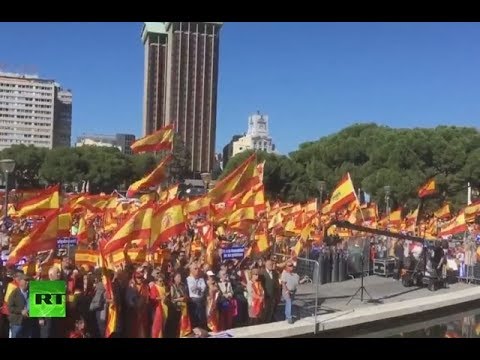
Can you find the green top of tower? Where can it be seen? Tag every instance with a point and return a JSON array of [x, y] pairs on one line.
[[153, 27]]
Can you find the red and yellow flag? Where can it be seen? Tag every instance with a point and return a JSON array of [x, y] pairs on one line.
[[168, 220], [455, 226], [154, 178], [136, 227], [471, 211], [197, 206], [169, 194], [44, 202], [43, 237], [112, 314], [241, 216], [443, 212], [343, 194], [86, 257], [160, 140], [239, 179], [427, 189]]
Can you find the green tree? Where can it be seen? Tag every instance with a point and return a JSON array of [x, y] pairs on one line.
[[28, 160]]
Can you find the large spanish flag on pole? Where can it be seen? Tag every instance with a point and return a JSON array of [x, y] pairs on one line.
[[343, 194], [455, 226], [160, 140], [43, 237], [168, 220], [44, 202], [427, 189], [137, 226], [236, 182], [154, 178]]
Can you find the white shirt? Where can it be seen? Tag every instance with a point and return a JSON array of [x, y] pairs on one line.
[[196, 287]]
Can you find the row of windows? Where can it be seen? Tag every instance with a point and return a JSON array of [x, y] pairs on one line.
[[20, 86], [13, 135], [16, 141]]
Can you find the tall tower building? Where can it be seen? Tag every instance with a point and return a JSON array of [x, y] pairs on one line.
[[181, 74]]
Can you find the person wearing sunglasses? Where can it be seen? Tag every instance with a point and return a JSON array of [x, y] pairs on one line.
[[290, 281]]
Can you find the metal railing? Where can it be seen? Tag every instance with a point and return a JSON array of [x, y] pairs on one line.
[[309, 272]]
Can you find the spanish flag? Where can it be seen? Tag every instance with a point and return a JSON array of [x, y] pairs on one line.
[[64, 223], [197, 206], [427, 189], [443, 212], [471, 211], [43, 237], [395, 217], [276, 220], [261, 242], [82, 234], [455, 226], [259, 170], [235, 182], [86, 257], [241, 217], [136, 226], [44, 202], [168, 220], [154, 178], [112, 314], [343, 194], [93, 203], [160, 140], [169, 194]]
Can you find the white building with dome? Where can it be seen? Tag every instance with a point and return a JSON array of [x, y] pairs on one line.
[[257, 137]]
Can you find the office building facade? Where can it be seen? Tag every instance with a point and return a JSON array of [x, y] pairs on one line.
[[180, 85], [34, 111]]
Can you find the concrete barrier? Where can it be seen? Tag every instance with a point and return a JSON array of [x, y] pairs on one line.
[[358, 316]]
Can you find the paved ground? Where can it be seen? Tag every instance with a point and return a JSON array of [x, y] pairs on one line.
[[334, 296]]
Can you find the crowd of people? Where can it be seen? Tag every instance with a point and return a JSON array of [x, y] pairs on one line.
[[184, 296]]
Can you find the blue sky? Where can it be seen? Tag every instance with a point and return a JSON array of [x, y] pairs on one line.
[[312, 79]]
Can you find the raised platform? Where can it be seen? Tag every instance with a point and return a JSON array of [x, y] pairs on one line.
[[391, 300]]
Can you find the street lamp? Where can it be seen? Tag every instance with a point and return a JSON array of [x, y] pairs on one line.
[[206, 178], [321, 188], [6, 166], [387, 198]]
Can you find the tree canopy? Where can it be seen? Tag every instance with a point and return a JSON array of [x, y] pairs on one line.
[[377, 156], [105, 168]]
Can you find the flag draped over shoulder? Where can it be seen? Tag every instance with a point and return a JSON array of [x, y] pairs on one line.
[[160, 140], [47, 200], [429, 188], [43, 237], [152, 179]]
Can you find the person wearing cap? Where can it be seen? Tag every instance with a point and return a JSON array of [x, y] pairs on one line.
[[21, 326], [290, 281]]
